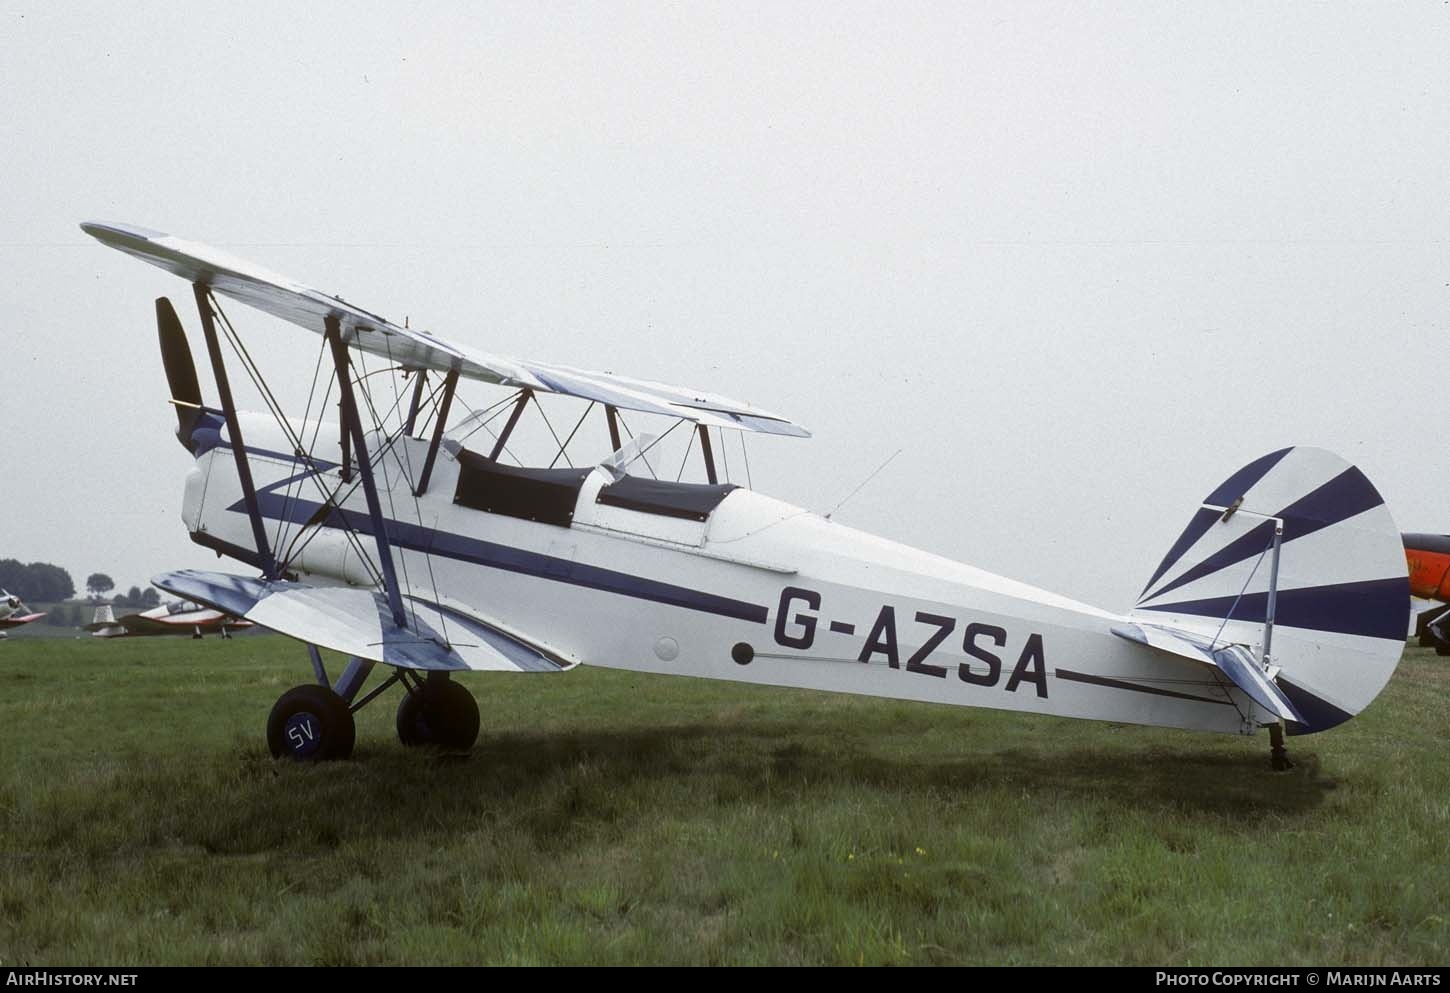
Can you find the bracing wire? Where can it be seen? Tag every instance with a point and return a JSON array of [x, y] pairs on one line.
[[497, 408], [379, 462], [620, 416], [577, 425], [254, 373], [688, 446], [540, 408], [652, 445], [288, 497], [1213, 644]]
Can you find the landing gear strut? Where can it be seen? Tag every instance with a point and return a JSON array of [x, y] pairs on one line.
[[1278, 754]]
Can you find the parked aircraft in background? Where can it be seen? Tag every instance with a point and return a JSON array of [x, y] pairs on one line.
[[177, 617], [1428, 556], [13, 613]]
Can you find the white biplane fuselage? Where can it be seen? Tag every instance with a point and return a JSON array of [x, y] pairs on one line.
[[820, 605]]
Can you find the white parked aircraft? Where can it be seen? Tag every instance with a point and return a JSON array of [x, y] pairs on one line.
[[13, 613], [1283, 604], [177, 617]]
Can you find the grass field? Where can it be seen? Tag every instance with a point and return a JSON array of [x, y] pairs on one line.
[[606, 817]]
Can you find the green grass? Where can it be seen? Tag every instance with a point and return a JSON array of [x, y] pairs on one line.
[[607, 817]]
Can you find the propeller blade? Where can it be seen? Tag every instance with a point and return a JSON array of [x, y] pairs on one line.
[[180, 369]]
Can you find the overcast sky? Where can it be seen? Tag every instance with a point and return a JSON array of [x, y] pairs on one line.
[[1079, 262]]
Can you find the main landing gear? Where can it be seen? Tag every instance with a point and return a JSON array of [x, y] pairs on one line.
[[442, 713], [314, 722]]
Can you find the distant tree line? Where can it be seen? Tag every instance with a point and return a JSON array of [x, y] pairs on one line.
[[38, 582], [43, 583], [136, 597]]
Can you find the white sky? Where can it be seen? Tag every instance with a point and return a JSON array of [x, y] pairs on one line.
[[1079, 261]]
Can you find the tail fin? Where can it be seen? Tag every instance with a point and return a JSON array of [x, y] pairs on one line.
[[1341, 594], [103, 623]]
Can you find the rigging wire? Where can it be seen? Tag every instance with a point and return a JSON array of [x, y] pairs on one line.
[[688, 445], [1213, 644], [497, 408], [648, 448], [577, 425], [254, 373], [277, 541], [539, 407], [620, 415], [344, 497], [377, 461]]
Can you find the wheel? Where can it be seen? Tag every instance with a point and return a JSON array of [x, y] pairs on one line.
[[311, 723], [442, 713]]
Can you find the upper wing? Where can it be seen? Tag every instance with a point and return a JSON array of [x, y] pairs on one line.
[[309, 308]]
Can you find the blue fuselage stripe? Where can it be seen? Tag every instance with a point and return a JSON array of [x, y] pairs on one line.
[[431, 541]]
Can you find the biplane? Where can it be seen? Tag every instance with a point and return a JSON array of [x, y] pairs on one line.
[[11, 615], [179, 617], [409, 540]]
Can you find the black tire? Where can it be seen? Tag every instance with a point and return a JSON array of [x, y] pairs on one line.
[[310, 723], [442, 713]]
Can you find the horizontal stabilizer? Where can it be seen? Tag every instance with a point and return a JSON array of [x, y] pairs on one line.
[[358, 622], [1234, 661]]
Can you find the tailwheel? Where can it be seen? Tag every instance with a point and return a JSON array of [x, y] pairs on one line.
[[440, 712], [310, 724]]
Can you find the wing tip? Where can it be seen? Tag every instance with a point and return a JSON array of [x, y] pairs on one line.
[[115, 232]]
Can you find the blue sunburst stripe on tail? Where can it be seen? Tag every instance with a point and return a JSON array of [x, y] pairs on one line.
[[1242, 481], [1376, 608], [1347, 495], [1319, 715], [1246, 546], [1200, 523], [1228, 491]]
